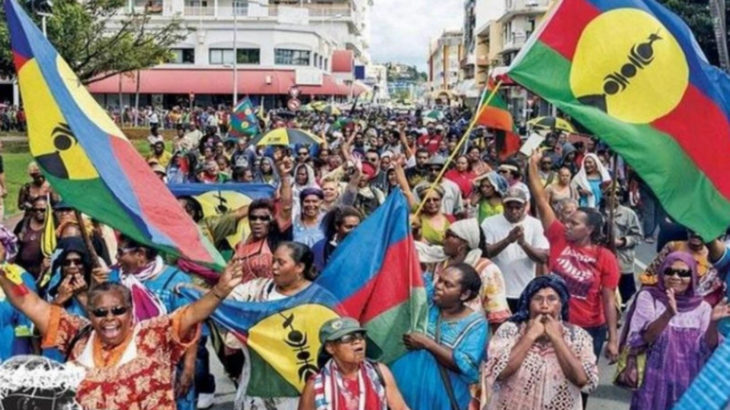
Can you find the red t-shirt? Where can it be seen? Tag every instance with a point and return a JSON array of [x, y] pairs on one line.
[[431, 143], [586, 270]]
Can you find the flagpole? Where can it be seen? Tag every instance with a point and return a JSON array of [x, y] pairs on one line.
[[456, 149], [87, 239]]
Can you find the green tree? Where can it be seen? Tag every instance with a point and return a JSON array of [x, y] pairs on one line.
[[696, 13], [99, 39]]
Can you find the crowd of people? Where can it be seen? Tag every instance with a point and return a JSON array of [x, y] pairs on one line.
[[528, 262]]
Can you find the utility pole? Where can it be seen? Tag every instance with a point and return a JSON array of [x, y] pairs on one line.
[[235, 54], [717, 11]]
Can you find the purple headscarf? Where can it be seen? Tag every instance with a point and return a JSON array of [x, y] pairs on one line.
[[690, 299], [687, 301]]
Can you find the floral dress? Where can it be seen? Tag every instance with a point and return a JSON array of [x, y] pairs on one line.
[[143, 375], [539, 383]]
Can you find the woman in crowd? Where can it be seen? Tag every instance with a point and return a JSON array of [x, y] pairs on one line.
[[561, 189], [270, 224], [336, 224], [536, 360], [676, 328], [488, 197], [266, 173], [293, 273], [589, 269], [444, 361], [330, 194], [463, 243], [462, 175], [306, 225], [37, 187], [116, 352], [15, 327], [303, 178], [348, 374], [710, 286], [590, 181]]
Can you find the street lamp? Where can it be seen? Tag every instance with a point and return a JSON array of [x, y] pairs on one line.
[[235, 54], [42, 8]]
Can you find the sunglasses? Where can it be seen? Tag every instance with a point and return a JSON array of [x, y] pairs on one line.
[[303, 154], [122, 251], [351, 338], [38, 209], [115, 311], [259, 218], [73, 261], [682, 273]]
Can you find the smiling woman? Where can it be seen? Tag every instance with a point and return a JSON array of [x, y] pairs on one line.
[[127, 364]]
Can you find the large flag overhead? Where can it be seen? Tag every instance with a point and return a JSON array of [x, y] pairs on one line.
[[376, 276], [85, 156], [632, 73], [282, 337]]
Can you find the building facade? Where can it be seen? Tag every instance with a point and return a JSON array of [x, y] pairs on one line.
[[257, 48], [444, 62]]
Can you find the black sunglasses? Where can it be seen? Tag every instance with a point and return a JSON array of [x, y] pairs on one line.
[[38, 209], [115, 311], [351, 338], [73, 261], [682, 273], [259, 218]]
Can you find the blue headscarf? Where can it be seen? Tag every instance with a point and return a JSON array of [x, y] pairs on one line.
[[552, 281]]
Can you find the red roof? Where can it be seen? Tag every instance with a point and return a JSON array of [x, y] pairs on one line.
[[214, 81], [342, 61]]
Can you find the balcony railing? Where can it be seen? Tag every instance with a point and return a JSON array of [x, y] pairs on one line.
[[314, 11], [526, 5]]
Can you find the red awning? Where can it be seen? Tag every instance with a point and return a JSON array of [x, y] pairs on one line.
[[213, 81]]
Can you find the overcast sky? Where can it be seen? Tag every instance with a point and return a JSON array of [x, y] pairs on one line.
[[401, 29]]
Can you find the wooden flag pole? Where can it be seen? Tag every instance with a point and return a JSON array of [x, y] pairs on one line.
[[473, 121], [87, 239]]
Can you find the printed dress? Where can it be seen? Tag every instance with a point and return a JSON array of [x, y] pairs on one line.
[[539, 383], [143, 378]]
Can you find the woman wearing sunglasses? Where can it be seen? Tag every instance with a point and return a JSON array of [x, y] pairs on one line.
[[69, 283], [127, 364], [347, 380], [676, 328]]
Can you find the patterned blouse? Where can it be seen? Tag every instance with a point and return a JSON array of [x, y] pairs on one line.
[[539, 383], [144, 375]]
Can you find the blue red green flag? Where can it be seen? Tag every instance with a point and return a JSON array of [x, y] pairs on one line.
[[85, 156], [376, 276], [282, 337], [633, 74], [244, 120]]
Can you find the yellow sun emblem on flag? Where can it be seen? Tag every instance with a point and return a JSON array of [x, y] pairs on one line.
[[629, 65]]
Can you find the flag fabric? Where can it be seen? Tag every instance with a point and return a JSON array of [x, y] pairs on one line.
[[48, 236], [244, 120], [87, 159], [219, 199], [282, 337], [632, 73], [376, 276], [496, 115]]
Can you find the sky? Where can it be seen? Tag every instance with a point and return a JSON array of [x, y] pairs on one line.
[[401, 29]]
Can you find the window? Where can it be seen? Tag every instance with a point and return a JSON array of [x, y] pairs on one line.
[[291, 57], [314, 60], [248, 56], [240, 7], [182, 56], [221, 55], [225, 56]]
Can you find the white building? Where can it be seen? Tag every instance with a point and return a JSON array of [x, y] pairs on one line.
[[444, 64], [321, 47], [376, 76]]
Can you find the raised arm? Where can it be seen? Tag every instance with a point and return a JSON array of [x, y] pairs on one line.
[[546, 213], [37, 309], [286, 194], [400, 176], [199, 310]]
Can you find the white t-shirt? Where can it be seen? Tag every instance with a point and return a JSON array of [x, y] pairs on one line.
[[517, 268]]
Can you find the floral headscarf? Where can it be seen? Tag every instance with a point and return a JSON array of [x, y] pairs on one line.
[[9, 241]]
